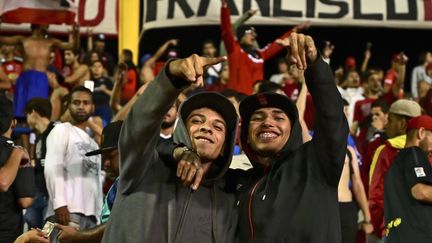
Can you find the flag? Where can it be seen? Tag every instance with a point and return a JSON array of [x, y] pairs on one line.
[[38, 11]]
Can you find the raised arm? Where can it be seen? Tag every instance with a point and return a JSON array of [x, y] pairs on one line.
[[140, 131], [274, 48], [72, 43], [11, 40], [227, 33], [331, 127]]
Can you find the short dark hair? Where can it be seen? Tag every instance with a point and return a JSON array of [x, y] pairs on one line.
[[127, 54], [381, 104], [75, 51], [79, 89], [209, 41], [268, 86], [233, 93], [41, 105]]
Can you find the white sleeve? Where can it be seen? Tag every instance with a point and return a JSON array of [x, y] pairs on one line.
[[54, 165]]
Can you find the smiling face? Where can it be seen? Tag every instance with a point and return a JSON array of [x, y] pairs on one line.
[[207, 130], [269, 131]]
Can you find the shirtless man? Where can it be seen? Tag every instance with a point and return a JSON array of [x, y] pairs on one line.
[[36, 60]]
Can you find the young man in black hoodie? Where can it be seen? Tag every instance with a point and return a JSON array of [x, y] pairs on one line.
[[290, 194], [152, 205]]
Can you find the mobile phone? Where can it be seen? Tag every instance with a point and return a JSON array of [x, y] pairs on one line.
[[89, 84], [48, 228]]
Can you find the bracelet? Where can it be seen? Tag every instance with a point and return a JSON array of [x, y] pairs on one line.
[[366, 222]]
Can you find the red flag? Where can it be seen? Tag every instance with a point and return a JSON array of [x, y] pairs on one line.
[[38, 11]]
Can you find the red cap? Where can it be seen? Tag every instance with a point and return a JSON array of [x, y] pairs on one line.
[[424, 121], [350, 62]]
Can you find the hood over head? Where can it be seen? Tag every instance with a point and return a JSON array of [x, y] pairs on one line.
[[225, 108], [269, 99]]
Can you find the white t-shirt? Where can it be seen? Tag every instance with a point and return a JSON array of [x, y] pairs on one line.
[[72, 179], [418, 74]]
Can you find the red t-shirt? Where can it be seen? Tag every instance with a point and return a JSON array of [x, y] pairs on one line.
[[292, 91]]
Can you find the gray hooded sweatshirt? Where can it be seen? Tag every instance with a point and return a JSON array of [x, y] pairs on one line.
[[151, 204]]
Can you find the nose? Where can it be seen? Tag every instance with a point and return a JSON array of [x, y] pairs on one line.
[[267, 122], [205, 128]]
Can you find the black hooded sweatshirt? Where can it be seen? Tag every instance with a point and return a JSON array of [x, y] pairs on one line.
[[295, 199]]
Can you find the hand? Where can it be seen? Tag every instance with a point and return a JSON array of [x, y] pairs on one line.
[[192, 68], [173, 42], [301, 50], [252, 12], [328, 50], [33, 235], [367, 228], [66, 233], [402, 59], [189, 167], [62, 215]]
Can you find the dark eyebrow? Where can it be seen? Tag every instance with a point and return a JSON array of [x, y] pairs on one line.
[[221, 121]]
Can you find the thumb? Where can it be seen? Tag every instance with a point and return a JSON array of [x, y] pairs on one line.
[[209, 61]]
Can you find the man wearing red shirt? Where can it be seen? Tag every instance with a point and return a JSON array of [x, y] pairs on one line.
[[246, 63]]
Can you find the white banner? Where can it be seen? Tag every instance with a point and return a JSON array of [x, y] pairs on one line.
[[100, 15], [365, 13]]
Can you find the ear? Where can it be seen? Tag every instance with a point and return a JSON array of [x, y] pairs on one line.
[[13, 124], [421, 133]]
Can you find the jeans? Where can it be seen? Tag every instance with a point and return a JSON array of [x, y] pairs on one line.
[[35, 214]]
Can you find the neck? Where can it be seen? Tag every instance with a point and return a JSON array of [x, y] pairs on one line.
[[412, 143], [371, 95], [167, 131], [8, 133], [265, 161], [81, 125], [75, 65], [42, 124]]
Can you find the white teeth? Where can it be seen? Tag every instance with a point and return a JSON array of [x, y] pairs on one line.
[[267, 135], [204, 140]]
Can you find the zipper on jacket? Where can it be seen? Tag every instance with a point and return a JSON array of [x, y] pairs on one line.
[[182, 217], [251, 227]]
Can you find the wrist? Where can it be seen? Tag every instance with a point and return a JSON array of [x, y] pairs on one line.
[[366, 221]]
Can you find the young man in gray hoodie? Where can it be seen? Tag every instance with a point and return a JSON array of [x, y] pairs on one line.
[[152, 203]]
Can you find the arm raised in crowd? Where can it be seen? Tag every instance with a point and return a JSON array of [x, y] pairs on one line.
[[331, 127], [140, 131]]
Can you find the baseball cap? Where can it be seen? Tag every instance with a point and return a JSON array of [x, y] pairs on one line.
[[214, 101], [350, 62], [245, 30], [110, 138], [405, 107], [267, 99], [420, 121]]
